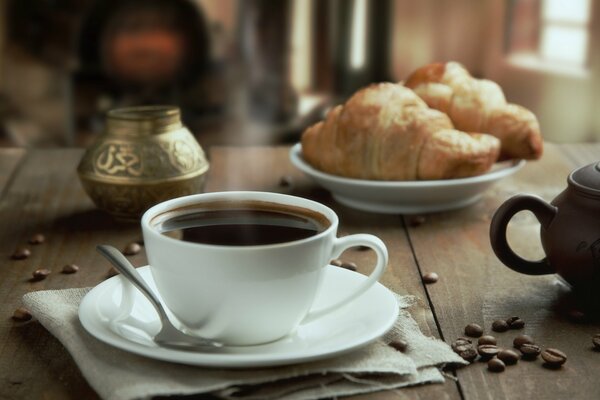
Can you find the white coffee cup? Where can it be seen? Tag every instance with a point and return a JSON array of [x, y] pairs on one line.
[[247, 294]]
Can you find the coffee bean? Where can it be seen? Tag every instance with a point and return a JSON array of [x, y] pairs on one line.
[[70, 269], [530, 351], [132, 249], [349, 265], [596, 341], [21, 314], [416, 220], [285, 181], [487, 339], [499, 326], [521, 340], [473, 330], [40, 274], [399, 345], [38, 238], [468, 354], [554, 358], [430, 277], [496, 365], [487, 351], [461, 344], [509, 357], [460, 347], [463, 339], [21, 253], [515, 323], [363, 248], [336, 262]]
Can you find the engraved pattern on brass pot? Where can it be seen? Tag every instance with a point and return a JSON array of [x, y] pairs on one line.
[[145, 156]]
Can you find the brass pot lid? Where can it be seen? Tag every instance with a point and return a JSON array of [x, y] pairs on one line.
[[143, 120]]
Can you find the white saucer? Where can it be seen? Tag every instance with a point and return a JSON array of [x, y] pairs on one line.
[[405, 197], [129, 322]]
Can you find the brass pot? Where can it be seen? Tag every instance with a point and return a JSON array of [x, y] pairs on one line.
[[144, 157]]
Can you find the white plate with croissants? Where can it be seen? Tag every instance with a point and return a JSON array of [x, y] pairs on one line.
[[405, 197], [435, 142]]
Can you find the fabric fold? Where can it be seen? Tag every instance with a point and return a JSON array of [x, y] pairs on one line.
[[117, 374]]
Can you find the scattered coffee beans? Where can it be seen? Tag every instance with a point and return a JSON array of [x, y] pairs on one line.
[[499, 326], [21, 314], [473, 330], [487, 339], [515, 323], [509, 357], [38, 238], [399, 345], [487, 351], [349, 265], [464, 348], [430, 277], [70, 269], [521, 340], [554, 358], [336, 262], [21, 253], [40, 274], [530, 351], [596, 341], [132, 249], [496, 365]]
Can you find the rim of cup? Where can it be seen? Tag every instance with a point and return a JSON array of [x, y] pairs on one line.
[[270, 197]]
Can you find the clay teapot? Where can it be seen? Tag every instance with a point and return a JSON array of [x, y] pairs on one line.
[[569, 232]]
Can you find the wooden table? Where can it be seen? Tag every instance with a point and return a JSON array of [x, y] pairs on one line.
[[39, 192]]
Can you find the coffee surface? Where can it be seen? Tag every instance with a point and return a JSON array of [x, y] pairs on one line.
[[240, 227]]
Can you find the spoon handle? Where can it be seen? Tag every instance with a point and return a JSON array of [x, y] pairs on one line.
[[123, 265]]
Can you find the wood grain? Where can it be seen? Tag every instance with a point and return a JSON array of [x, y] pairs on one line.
[[9, 161], [262, 168], [40, 192], [45, 196], [476, 287]]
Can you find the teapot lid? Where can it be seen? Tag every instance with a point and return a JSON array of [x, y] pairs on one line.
[[587, 179]]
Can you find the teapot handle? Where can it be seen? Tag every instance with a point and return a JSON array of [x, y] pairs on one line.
[[543, 211]]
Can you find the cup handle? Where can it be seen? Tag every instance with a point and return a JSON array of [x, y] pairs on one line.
[[543, 211], [341, 244]]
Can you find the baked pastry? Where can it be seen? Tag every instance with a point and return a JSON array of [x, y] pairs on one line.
[[478, 105], [386, 132]]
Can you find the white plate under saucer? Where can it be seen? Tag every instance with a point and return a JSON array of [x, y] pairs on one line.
[[129, 322]]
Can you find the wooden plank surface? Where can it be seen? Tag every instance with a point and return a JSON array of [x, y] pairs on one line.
[[475, 287], [263, 168], [41, 193], [45, 196], [9, 161]]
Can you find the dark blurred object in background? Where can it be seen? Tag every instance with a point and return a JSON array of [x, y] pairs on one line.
[[260, 71]]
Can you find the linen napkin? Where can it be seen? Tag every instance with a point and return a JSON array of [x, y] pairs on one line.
[[117, 374]]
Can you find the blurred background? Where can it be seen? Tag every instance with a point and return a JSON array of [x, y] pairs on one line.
[[260, 71]]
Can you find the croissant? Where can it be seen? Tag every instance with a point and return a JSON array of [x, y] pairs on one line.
[[478, 105], [386, 132]]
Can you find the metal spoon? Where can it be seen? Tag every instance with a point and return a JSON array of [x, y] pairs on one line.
[[169, 335]]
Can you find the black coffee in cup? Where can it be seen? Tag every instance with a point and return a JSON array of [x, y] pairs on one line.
[[244, 223]]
